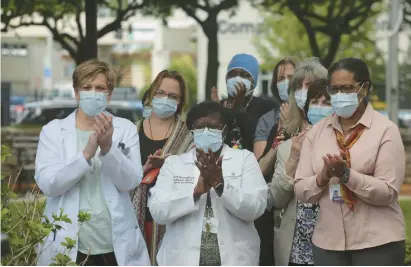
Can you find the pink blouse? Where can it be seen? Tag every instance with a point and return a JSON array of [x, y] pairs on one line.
[[377, 173]]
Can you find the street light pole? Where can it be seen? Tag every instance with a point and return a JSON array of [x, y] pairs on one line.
[[392, 78]]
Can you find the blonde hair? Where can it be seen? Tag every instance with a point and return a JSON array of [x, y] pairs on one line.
[[175, 75], [89, 69], [311, 69]]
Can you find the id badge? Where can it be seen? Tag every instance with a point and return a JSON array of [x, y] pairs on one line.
[[335, 193], [210, 225]]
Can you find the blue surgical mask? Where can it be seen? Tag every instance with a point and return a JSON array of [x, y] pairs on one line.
[[232, 82], [164, 107], [317, 113], [345, 104], [301, 97], [283, 89], [206, 139], [146, 112], [92, 103]]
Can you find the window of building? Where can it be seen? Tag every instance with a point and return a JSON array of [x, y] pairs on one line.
[[19, 50]]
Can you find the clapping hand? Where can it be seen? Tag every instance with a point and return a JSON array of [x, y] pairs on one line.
[[103, 127], [210, 167], [334, 166], [154, 161], [238, 100], [283, 114], [297, 143]]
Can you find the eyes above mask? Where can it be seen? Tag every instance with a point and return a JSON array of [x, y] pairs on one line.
[[164, 107], [316, 113], [207, 139], [232, 82], [92, 103], [283, 89]]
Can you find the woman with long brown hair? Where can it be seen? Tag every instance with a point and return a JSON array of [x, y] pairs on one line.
[[161, 134]]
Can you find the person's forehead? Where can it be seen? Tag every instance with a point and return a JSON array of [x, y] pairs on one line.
[[286, 69], [211, 118], [169, 85], [97, 79], [341, 77], [238, 71]]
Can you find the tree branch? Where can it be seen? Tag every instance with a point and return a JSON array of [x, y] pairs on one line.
[[192, 14], [79, 26], [226, 4], [122, 15]]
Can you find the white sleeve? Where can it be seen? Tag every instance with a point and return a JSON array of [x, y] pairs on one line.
[[124, 166], [166, 202], [53, 176], [250, 200]]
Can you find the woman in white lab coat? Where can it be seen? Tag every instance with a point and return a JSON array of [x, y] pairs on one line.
[[209, 197], [89, 162]]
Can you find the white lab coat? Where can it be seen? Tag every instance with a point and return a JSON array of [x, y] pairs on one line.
[[59, 167], [244, 199]]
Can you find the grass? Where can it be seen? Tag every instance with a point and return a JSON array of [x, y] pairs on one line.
[[406, 209]]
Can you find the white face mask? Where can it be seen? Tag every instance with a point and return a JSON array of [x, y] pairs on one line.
[[345, 104], [301, 97], [283, 89]]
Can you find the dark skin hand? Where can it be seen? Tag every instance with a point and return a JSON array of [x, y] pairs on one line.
[[238, 101], [210, 167], [334, 166]]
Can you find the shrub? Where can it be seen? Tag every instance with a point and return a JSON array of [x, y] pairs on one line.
[[26, 227]]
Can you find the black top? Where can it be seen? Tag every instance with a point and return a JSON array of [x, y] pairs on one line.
[[147, 147], [247, 121]]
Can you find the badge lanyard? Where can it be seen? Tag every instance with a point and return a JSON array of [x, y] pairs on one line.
[[208, 213]]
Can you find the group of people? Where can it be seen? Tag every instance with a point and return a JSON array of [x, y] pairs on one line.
[[311, 176]]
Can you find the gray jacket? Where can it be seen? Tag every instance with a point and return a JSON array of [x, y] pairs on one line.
[[281, 197]]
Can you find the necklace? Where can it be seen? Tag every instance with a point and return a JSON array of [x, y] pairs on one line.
[[151, 131]]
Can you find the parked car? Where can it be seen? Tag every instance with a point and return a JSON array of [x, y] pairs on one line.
[[404, 117], [125, 94], [42, 112]]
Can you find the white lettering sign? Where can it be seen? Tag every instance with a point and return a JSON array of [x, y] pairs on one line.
[[226, 27]]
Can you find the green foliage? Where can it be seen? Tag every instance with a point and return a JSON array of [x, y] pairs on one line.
[[186, 67], [26, 227], [283, 35]]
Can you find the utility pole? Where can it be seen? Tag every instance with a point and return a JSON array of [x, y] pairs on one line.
[[392, 78], [47, 64]]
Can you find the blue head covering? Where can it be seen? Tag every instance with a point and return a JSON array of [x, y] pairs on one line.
[[247, 63]]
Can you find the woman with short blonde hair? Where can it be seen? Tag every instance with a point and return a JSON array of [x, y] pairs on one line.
[[89, 162]]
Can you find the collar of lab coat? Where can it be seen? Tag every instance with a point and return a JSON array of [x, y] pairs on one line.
[[69, 123], [191, 157]]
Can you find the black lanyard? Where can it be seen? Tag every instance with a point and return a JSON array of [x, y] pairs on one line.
[[208, 205]]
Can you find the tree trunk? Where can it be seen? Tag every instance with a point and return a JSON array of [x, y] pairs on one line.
[[210, 28], [88, 48]]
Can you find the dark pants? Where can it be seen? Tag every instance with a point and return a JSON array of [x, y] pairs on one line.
[[108, 259], [391, 254], [265, 229]]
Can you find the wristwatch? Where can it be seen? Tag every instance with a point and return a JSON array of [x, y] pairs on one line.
[[346, 176], [219, 188]]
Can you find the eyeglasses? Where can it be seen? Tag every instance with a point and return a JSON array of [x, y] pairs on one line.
[[161, 94], [347, 88], [211, 128]]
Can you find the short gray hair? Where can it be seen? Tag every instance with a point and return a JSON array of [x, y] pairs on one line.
[[312, 69]]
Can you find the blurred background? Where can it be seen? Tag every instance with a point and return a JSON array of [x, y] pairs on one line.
[[43, 41]]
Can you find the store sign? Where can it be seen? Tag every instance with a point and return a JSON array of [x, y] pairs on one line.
[[227, 27]]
